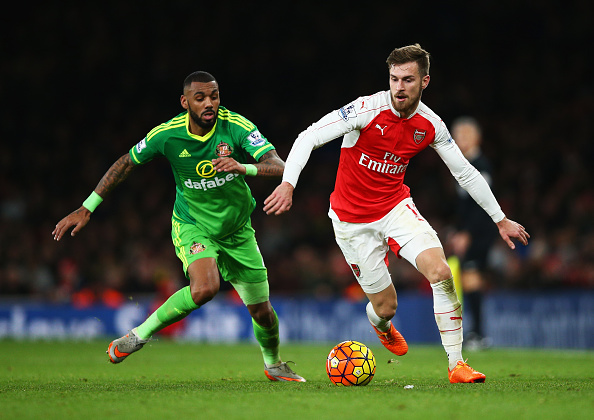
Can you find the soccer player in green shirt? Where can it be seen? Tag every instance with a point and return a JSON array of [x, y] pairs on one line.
[[207, 147]]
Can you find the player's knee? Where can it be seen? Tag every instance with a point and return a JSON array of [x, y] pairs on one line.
[[204, 292], [204, 280], [439, 273]]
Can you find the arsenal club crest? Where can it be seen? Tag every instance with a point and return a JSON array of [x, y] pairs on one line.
[[223, 149], [419, 136]]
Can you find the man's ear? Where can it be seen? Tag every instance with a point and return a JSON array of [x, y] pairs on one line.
[[184, 101], [425, 81]]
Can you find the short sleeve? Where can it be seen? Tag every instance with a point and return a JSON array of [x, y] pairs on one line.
[[144, 151], [256, 144]]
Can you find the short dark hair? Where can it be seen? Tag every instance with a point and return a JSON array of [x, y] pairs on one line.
[[200, 77], [410, 53]]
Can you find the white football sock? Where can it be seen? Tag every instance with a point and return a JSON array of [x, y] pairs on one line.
[[379, 323], [448, 315]]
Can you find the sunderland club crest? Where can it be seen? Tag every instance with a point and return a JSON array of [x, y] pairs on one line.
[[223, 149], [419, 136], [196, 248]]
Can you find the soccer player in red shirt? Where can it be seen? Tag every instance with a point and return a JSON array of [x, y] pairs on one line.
[[371, 208]]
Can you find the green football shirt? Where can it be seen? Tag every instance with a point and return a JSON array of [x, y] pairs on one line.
[[218, 203]]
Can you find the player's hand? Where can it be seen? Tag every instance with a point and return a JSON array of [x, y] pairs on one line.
[[281, 199], [509, 229], [226, 164], [78, 218]]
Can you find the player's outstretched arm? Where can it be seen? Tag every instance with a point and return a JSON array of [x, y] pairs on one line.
[[281, 199], [112, 178], [508, 229]]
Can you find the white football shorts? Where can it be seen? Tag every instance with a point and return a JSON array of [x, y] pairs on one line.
[[365, 246]]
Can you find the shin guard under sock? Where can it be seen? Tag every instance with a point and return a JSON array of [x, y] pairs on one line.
[[269, 341], [448, 316]]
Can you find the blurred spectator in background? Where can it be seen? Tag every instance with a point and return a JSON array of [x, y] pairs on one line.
[[474, 234]]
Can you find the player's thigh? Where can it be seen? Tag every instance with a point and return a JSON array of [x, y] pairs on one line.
[[204, 278], [241, 263], [191, 245], [365, 251], [410, 232]]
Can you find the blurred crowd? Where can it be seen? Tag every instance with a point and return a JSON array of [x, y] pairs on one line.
[[82, 86]]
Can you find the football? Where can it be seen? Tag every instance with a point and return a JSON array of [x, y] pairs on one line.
[[350, 363]]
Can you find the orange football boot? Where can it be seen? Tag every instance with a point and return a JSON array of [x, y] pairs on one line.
[[392, 340], [464, 374]]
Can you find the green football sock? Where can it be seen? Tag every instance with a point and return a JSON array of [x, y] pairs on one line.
[[177, 307], [269, 341]]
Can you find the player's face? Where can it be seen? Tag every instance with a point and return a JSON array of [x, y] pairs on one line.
[[406, 87], [202, 102]]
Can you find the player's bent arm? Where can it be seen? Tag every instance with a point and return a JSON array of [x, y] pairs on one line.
[[270, 164], [80, 217], [306, 142], [329, 127]]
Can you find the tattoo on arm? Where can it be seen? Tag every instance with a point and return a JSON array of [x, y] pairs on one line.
[[118, 172], [270, 164]]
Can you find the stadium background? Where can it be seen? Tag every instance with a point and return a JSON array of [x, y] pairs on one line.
[[81, 83]]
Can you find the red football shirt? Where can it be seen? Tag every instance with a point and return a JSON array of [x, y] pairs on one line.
[[377, 147]]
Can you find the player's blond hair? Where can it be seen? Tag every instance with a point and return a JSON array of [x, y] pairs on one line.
[[408, 54]]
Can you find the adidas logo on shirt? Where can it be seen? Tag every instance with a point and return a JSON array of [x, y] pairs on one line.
[[185, 153]]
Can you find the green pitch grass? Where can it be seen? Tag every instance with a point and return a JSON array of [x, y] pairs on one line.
[[170, 380]]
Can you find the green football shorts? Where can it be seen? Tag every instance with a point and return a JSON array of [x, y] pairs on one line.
[[238, 258]]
